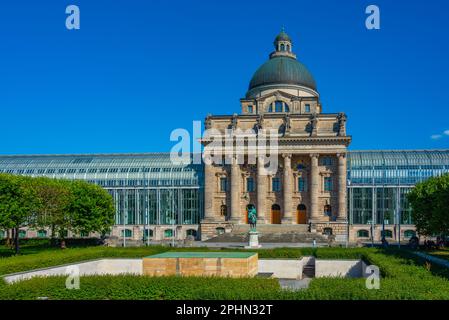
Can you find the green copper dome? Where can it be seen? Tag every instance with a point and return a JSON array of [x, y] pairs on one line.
[[282, 36], [282, 70]]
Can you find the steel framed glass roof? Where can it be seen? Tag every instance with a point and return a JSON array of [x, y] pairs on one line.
[[147, 166]]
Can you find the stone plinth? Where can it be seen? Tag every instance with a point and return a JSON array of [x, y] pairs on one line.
[[222, 264], [253, 240]]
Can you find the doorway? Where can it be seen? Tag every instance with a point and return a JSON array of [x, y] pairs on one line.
[[275, 214], [301, 214]]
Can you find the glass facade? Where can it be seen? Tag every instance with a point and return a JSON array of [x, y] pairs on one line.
[[378, 183], [148, 189]]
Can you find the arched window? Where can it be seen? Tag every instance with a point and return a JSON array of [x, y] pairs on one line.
[[363, 234], [282, 47], [220, 230], [223, 210], [128, 233], [168, 233], [278, 106], [22, 234], [288, 47], [191, 232], [327, 231], [387, 233], [42, 234], [409, 233]]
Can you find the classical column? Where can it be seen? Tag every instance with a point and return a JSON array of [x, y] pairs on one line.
[[314, 187], [287, 188], [261, 190], [342, 207], [209, 190], [235, 191]]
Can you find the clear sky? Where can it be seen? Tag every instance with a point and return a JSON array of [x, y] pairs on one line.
[[136, 70]]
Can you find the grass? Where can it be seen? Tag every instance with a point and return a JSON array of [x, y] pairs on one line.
[[403, 276]]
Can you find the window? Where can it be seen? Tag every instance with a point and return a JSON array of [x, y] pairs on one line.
[[22, 234], [250, 109], [301, 184], [409, 233], [282, 47], [278, 106], [250, 185], [191, 232], [168, 233], [223, 184], [326, 161], [128, 233], [148, 233], [387, 233], [220, 230], [84, 234], [276, 185], [327, 184], [363, 234], [2, 234], [327, 231], [41, 234], [307, 107]]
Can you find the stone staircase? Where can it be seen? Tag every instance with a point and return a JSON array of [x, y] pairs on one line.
[[277, 233]]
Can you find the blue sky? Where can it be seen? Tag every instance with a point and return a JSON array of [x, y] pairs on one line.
[[136, 70]]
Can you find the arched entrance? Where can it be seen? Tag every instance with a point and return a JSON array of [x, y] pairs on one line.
[[275, 214], [301, 214], [248, 207]]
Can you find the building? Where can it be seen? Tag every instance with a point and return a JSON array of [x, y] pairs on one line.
[[312, 145], [318, 185], [154, 197]]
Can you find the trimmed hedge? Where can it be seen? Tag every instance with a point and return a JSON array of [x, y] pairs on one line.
[[138, 287]]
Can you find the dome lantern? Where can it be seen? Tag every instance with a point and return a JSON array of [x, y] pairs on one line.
[[283, 45]]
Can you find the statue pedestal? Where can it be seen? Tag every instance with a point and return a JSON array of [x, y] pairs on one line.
[[253, 240]]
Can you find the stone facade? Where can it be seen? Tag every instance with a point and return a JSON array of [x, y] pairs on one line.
[[308, 186]]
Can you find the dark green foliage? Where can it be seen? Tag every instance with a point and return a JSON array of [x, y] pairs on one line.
[[430, 202]]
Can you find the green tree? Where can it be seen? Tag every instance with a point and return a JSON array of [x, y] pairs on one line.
[[430, 206], [55, 196], [18, 203], [91, 208]]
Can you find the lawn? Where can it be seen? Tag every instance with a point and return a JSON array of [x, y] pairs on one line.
[[404, 276]]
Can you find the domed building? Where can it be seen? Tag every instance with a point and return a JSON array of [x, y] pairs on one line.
[[282, 156], [305, 191]]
